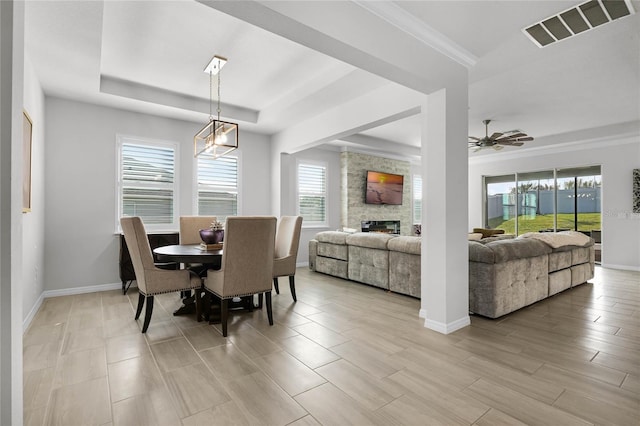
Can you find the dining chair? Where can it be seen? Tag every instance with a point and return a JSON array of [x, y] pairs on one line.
[[247, 263], [286, 252], [190, 227], [151, 279]]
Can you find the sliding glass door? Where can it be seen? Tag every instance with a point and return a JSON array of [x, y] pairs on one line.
[[500, 202], [544, 201], [579, 198], [535, 201]]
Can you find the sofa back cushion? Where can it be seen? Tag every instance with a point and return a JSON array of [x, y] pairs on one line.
[[505, 250], [411, 245], [333, 237], [375, 240]]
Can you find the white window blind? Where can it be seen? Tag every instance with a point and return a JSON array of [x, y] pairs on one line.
[[147, 184], [218, 187], [417, 199], [312, 193]]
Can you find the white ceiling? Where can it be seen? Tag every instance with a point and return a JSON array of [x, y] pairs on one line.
[[149, 56]]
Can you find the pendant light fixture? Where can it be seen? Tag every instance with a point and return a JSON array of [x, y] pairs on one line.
[[218, 137]]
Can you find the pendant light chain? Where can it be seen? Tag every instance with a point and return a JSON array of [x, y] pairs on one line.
[[219, 109], [210, 95]]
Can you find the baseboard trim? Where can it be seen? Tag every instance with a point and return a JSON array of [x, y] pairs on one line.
[[448, 328], [32, 313], [422, 313], [300, 264], [65, 292], [82, 290], [621, 267]]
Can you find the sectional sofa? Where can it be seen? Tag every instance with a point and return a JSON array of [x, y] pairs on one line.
[[505, 273], [382, 260]]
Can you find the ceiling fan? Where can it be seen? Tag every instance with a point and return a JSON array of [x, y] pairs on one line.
[[498, 140]]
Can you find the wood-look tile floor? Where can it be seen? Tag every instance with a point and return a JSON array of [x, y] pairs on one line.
[[345, 353]]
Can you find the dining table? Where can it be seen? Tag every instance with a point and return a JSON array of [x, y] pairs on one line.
[[194, 254], [187, 254]]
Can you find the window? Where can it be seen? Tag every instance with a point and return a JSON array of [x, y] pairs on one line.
[[217, 186], [312, 193], [417, 199], [147, 184], [548, 200]]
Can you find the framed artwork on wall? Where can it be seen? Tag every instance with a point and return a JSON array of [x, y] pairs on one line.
[[27, 130], [636, 190]]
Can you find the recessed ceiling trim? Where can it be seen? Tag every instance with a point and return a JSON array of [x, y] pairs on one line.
[[576, 20], [405, 21]]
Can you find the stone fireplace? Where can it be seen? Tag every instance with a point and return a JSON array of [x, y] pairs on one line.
[[354, 210]]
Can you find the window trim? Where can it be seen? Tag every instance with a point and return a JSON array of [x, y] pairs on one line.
[[416, 221], [323, 164], [122, 139], [237, 154]]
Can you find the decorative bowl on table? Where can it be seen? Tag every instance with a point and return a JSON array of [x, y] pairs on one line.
[[210, 236]]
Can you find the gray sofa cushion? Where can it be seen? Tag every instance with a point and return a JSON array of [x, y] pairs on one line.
[[333, 237], [375, 240], [334, 251], [369, 265], [559, 260], [505, 250], [497, 289], [411, 245]]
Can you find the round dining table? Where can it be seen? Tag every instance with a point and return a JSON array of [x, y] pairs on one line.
[[189, 254]]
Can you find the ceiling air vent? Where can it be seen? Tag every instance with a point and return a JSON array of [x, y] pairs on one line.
[[580, 18]]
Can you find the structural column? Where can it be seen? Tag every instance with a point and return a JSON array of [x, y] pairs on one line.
[[11, 99], [445, 253]]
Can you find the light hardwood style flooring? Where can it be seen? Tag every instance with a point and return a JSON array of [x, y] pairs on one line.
[[345, 353]]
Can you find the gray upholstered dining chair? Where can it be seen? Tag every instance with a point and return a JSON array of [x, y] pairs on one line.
[[286, 252], [190, 227], [151, 279], [247, 263]]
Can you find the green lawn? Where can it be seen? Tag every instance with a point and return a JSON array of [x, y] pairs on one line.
[[586, 222]]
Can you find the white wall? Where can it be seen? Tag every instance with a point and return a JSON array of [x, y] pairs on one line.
[[81, 248], [33, 221], [332, 159], [618, 158]]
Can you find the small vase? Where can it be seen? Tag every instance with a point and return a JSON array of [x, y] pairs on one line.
[[218, 236], [209, 236]]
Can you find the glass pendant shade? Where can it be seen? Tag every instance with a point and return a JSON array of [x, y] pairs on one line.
[[216, 139]]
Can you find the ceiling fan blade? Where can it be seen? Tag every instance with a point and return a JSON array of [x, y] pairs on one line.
[[515, 136], [474, 138], [527, 139], [517, 144], [495, 135]]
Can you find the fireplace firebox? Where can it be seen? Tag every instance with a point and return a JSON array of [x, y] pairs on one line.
[[385, 226]]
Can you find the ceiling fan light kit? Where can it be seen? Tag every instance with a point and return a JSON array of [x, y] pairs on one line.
[[498, 140]]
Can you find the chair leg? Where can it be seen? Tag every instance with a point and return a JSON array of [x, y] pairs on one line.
[[224, 315], [275, 285], [147, 314], [269, 310], [198, 304], [260, 297], [140, 304], [292, 286]]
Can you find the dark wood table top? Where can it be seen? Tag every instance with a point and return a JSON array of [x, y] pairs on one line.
[[187, 253]]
